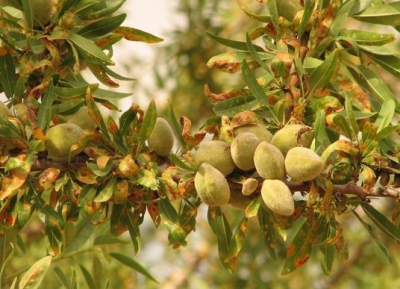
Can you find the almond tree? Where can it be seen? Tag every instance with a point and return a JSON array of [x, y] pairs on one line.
[[320, 129]]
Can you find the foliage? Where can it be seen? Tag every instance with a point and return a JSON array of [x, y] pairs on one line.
[[300, 67]]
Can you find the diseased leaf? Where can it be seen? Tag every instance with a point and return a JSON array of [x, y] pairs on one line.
[[170, 218], [267, 221], [33, 278], [299, 251], [134, 233], [133, 34], [106, 193], [220, 226], [133, 265]]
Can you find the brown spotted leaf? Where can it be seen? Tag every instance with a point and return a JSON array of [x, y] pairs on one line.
[[299, 251]]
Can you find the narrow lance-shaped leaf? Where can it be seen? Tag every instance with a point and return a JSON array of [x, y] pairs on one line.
[[233, 43], [323, 73], [254, 87], [89, 49], [385, 115], [102, 26], [374, 237], [381, 221], [386, 14], [220, 226], [267, 225], [176, 127], [88, 278], [7, 75], [133, 34], [170, 219], [133, 265], [134, 233], [237, 241], [33, 278], [299, 251], [148, 124], [253, 52], [45, 112]]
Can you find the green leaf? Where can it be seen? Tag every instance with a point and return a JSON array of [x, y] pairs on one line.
[[389, 49], [83, 231], [239, 45], [350, 115], [106, 193], [326, 257], [376, 85], [385, 115], [106, 11], [262, 18], [149, 121], [7, 256], [73, 280], [108, 240], [220, 226], [237, 241], [374, 237], [62, 277], [340, 18], [273, 11], [299, 251], [133, 34], [381, 221], [134, 233], [308, 10], [8, 76], [254, 86], [176, 127], [110, 95], [102, 26], [386, 14], [133, 265], [86, 195], [343, 124], [28, 12], [321, 138], [88, 278], [170, 218], [324, 72], [45, 112], [253, 207], [267, 224], [127, 118], [34, 276], [252, 49], [235, 105], [89, 49]]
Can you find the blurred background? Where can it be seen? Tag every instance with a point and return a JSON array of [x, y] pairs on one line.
[[175, 71]]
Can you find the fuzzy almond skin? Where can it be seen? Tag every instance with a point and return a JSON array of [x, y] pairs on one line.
[[211, 186], [277, 197], [303, 164], [59, 140], [269, 161], [218, 154], [42, 10], [82, 118], [286, 138], [258, 130], [242, 150], [249, 186], [161, 139]]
